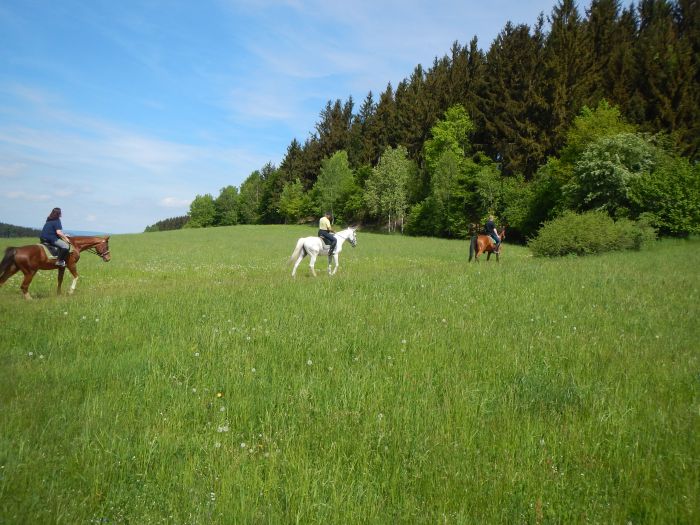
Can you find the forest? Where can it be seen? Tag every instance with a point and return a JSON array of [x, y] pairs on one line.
[[10, 230], [584, 110]]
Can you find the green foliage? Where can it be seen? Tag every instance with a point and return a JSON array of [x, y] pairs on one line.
[[335, 181], [591, 125], [9, 230], [546, 195], [589, 233], [227, 206], [250, 198], [514, 99], [605, 171], [669, 196], [294, 203], [386, 188], [202, 212], [423, 218], [450, 134]]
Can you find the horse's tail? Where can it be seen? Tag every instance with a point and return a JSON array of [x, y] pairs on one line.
[[8, 260], [472, 247], [297, 250]]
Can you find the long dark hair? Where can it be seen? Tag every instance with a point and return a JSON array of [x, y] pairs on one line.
[[55, 214]]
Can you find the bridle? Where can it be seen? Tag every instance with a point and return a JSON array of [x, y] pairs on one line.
[[352, 239], [93, 249]]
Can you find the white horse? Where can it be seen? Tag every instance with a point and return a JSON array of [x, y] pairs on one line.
[[314, 246]]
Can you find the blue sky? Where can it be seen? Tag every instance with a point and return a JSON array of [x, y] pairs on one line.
[[121, 112]]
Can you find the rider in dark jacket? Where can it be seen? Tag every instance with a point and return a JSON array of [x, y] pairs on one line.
[[52, 234], [491, 231]]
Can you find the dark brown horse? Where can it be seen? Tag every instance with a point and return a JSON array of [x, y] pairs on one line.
[[481, 243], [32, 258]]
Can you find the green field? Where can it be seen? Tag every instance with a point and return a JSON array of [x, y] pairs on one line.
[[191, 380]]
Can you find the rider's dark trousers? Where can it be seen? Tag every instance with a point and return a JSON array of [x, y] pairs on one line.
[[330, 238]]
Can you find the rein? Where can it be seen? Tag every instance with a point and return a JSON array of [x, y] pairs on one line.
[[345, 238], [92, 249]]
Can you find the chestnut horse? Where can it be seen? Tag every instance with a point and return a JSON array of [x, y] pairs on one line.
[[481, 243], [32, 258]]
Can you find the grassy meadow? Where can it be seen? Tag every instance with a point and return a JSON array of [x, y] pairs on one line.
[[190, 380]]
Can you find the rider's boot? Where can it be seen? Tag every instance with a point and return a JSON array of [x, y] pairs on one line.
[[62, 255]]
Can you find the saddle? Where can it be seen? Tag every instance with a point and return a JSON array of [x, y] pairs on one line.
[[325, 243], [51, 250]]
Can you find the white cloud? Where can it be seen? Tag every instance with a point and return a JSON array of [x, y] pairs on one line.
[[173, 202], [25, 196], [12, 169]]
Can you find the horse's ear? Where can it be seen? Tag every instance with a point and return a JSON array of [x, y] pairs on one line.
[[107, 238]]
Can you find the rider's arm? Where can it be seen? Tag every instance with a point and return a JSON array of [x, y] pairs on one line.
[[62, 235]]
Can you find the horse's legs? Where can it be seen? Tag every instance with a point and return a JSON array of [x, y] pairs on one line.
[[294, 270], [74, 272], [312, 262], [28, 276], [335, 258], [61, 271], [9, 272], [330, 261]]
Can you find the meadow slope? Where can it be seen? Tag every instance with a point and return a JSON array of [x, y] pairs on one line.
[[191, 380]]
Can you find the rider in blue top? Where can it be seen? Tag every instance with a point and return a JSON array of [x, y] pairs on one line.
[[52, 233]]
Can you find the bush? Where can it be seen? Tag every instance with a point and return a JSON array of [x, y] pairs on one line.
[[589, 233]]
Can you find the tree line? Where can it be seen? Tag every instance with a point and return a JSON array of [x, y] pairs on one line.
[[593, 110], [10, 230]]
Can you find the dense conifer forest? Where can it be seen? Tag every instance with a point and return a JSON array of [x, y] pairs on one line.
[[584, 110], [10, 230]]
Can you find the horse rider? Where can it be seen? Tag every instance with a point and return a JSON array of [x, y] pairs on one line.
[[325, 231], [491, 232], [52, 234]]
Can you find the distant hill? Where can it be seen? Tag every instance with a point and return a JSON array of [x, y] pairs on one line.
[[10, 230]]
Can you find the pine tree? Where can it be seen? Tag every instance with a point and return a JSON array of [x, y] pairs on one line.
[[334, 127], [515, 105], [569, 70], [361, 150], [669, 79], [382, 126]]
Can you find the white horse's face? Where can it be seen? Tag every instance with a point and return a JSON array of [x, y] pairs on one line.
[[353, 237]]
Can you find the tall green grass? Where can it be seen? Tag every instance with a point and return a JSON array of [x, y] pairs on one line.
[[191, 380]]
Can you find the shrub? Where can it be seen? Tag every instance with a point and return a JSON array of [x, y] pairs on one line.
[[589, 233]]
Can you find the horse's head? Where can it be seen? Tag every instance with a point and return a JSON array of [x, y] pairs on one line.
[[353, 236], [502, 233], [102, 249]]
